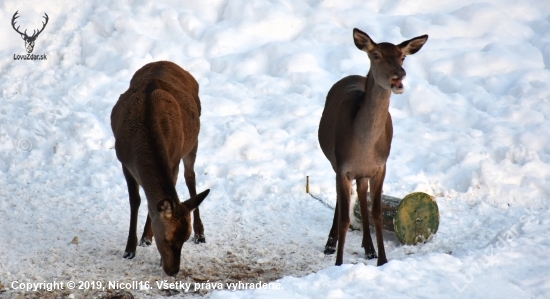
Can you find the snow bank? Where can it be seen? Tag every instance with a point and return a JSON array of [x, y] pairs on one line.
[[469, 129]]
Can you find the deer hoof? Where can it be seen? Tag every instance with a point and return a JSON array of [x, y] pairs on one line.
[[381, 262], [371, 256], [145, 242], [330, 247], [330, 250], [199, 238], [129, 255]]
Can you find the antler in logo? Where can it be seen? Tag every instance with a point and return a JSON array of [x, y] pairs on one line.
[[29, 40]]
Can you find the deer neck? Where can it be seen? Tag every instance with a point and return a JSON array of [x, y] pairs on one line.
[[158, 187], [373, 112]]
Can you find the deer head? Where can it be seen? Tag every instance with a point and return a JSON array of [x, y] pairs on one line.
[[29, 40], [172, 227], [387, 59]]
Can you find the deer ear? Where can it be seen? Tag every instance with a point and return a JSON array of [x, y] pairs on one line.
[[413, 45], [193, 202], [362, 40], [165, 208]]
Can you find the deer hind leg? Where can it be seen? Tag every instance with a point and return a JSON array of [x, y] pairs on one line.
[[330, 247], [343, 190], [362, 188], [147, 237], [376, 197], [189, 174], [135, 201]]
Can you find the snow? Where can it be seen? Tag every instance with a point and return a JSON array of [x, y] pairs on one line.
[[471, 129]]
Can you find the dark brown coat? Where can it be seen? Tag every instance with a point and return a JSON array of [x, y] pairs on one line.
[[156, 123]]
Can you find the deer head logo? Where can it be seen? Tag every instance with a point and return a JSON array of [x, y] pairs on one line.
[[29, 40]]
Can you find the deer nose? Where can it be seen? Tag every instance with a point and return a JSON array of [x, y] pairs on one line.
[[399, 72]]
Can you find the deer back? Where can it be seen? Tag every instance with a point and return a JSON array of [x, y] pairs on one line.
[[174, 117]]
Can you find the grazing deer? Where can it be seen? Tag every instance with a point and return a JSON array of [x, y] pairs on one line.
[[155, 124], [355, 135], [29, 40]]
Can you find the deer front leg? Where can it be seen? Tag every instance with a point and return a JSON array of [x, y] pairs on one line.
[[147, 237], [189, 174], [135, 201], [198, 228], [343, 189], [362, 188], [376, 196]]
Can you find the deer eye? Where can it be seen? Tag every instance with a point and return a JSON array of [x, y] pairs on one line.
[[403, 59], [376, 56]]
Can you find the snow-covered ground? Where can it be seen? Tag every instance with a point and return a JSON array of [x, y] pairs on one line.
[[472, 129]]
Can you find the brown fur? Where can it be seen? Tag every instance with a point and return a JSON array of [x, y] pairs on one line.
[[355, 135], [155, 124]]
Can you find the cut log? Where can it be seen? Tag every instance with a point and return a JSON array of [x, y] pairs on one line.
[[414, 219], [389, 210]]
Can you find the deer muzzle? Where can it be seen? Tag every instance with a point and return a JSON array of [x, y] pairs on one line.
[[396, 83]]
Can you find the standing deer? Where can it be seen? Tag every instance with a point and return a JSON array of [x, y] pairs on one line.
[[29, 40], [155, 124], [355, 135]]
